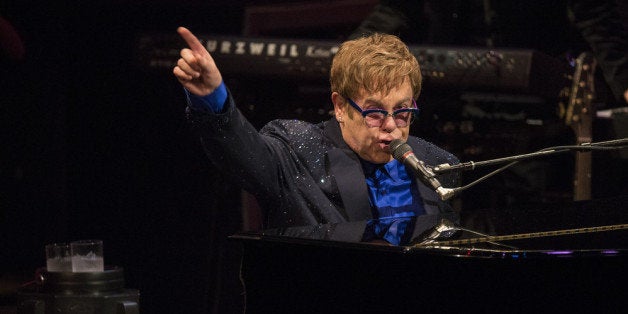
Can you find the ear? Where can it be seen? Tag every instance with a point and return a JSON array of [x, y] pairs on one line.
[[339, 106]]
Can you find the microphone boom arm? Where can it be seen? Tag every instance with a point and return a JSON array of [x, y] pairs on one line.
[[471, 165]]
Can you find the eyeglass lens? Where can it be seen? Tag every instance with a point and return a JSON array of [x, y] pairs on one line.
[[376, 119]]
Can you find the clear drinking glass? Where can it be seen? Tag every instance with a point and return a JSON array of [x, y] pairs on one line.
[[87, 256], [58, 258]]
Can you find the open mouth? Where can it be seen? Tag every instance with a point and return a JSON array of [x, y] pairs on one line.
[[385, 145]]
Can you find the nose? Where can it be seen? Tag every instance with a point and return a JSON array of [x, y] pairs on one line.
[[389, 124]]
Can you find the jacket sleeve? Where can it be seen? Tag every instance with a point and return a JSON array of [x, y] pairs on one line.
[[237, 149]]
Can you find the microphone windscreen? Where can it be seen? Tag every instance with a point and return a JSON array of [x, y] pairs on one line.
[[399, 148]]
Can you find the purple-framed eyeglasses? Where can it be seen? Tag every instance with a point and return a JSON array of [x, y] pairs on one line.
[[375, 118]]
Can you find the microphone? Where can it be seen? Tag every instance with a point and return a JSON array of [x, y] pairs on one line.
[[403, 153]]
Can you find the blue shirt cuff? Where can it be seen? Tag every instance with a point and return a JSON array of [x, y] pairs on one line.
[[213, 102]]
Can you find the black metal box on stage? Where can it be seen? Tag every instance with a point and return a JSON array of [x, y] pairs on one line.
[[85, 293]]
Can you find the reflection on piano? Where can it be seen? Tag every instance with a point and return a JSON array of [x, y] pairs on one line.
[[520, 71], [325, 269]]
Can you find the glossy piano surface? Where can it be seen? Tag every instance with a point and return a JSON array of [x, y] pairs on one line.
[[327, 269]]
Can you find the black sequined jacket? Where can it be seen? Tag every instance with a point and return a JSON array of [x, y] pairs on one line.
[[301, 173]]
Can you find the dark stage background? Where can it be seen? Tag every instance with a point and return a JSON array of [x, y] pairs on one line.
[[94, 146]]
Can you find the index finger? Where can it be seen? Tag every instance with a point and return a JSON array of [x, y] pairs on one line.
[[191, 40]]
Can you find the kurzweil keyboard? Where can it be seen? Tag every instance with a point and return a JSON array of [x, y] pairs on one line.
[[520, 71]]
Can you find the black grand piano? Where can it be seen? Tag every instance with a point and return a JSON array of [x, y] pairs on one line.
[[551, 258]]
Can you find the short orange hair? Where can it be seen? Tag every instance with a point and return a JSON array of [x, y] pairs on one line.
[[377, 63]]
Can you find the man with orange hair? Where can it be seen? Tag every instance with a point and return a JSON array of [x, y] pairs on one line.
[[340, 170]]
